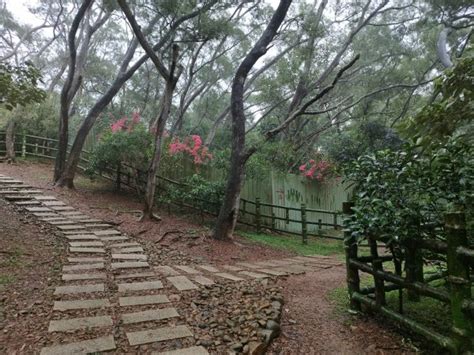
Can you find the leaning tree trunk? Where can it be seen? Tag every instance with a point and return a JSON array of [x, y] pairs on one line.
[[10, 141], [166, 102], [230, 208], [67, 93]]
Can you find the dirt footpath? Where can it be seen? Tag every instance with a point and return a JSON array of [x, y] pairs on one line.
[[310, 324]]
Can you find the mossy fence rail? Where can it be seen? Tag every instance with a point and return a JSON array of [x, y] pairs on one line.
[[256, 214], [458, 257]]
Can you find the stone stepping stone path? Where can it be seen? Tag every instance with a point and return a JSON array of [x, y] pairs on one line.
[[99, 255], [82, 347], [182, 283], [60, 290], [149, 315], [193, 350], [79, 323], [160, 334], [140, 286]]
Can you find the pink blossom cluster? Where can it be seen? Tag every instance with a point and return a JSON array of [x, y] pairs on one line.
[[315, 170], [123, 124], [192, 146]]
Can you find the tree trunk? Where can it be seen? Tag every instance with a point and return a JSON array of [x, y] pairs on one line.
[[67, 94], [10, 141], [230, 208], [166, 102]]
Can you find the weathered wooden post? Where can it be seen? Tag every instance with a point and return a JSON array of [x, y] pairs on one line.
[[335, 221], [414, 267], [304, 225], [287, 215], [459, 279], [257, 215], [320, 224], [118, 179], [273, 221], [23, 146], [352, 273], [377, 265]]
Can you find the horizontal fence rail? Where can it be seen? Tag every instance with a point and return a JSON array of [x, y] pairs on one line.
[[458, 297], [257, 214]]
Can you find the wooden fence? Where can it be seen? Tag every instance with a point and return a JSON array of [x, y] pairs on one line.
[[293, 218], [457, 296]]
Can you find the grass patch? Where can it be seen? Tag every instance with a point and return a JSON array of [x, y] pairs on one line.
[[428, 311], [314, 246], [6, 279], [12, 259]]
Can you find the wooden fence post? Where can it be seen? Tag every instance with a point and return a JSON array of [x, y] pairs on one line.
[[377, 265], [118, 180], [320, 224], [304, 225], [414, 267], [273, 221], [257, 215], [352, 273], [287, 215], [335, 221], [23, 146], [459, 279]]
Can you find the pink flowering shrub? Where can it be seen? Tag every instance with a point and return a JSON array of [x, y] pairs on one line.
[[193, 146], [123, 124], [316, 170]]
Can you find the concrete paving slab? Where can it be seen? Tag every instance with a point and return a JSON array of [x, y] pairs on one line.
[[187, 269], [129, 256], [166, 270], [77, 277], [203, 280], [255, 275], [139, 286], [228, 276], [87, 250], [96, 243], [65, 325], [82, 347], [149, 315], [182, 283], [193, 350], [77, 267], [81, 304], [160, 334], [85, 260], [129, 265], [142, 300], [209, 268], [62, 290]]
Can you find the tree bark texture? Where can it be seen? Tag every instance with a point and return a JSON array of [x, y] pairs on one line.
[[10, 141], [166, 102], [228, 214], [67, 95]]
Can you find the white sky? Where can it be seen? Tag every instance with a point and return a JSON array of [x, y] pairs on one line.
[[19, 9]]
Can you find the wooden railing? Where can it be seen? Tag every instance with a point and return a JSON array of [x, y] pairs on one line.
[[251, 212], [457, 296]]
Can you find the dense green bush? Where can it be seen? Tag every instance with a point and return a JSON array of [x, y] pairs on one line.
[[398, 192], [198, 192], [132, 147]]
